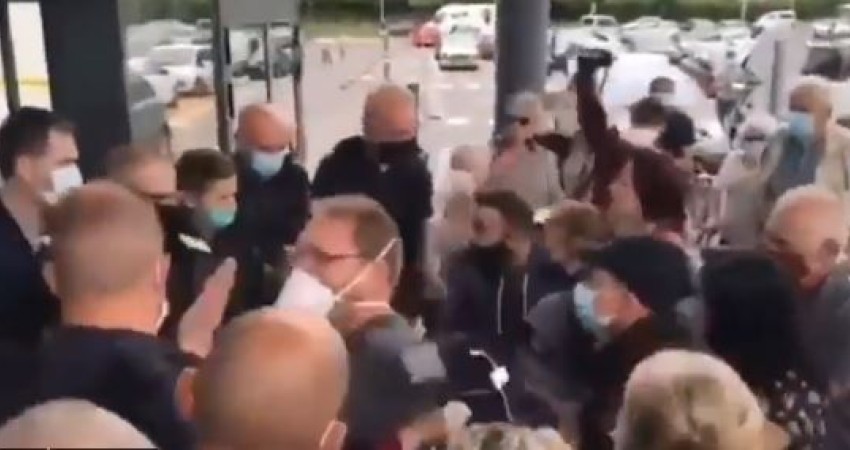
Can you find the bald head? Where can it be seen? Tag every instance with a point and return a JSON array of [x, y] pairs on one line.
[[70, 424], [809, 224], [806, 217], [264, 128], [389, 114], [274, 380], [106, 242]]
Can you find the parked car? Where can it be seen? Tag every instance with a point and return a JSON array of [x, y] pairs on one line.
[[191, 64], [565, 42], [649, 35], [628, 81], [598, 21], [164, 86], [458, 50], [146, 110], [773, 19]]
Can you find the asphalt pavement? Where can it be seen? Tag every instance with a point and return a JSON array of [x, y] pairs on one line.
[[456, 107]]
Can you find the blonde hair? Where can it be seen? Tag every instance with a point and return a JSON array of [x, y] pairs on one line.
[[683, 400], [581, 224], [504, 436]]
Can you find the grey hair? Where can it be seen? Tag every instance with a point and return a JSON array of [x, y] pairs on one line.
[[683, 399], [70, 423], [504, 436]]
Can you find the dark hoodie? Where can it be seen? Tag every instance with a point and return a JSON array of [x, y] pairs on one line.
[[483, 312], [824, 323], [395, 175]]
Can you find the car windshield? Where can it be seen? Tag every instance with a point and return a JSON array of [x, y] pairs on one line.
[[173, 56], [607, 22]]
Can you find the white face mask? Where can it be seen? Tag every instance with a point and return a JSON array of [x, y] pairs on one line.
[[305, 293], [64, 179]]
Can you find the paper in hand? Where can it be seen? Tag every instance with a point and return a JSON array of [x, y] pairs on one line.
[[423, 363]]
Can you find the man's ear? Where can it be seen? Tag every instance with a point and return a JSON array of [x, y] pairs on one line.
[[334, 437], [184, 393]]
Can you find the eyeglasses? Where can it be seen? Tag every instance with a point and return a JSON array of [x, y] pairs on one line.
[[308, 252]]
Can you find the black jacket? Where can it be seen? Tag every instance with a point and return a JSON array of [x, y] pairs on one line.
[[384, 395], [194, 259], [271, 212], [399, 180], [27, 305], [607, 370], [131, 374]]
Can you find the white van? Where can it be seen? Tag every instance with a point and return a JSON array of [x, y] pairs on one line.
[[479, 15]]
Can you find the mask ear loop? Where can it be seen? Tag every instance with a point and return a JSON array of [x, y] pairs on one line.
[[365, 271]]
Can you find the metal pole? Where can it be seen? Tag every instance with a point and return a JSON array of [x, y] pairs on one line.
[[744, 7], [7, 54], [776, 81], [221, 80], [297, 96], [267, 58], [385, 39], [521, 27]]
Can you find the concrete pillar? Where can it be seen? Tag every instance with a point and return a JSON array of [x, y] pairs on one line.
[[521, 27], [84, 47]]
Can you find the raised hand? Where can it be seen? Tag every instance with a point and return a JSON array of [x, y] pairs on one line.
[[199, 323]]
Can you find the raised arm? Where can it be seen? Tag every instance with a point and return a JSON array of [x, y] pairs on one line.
[[609, 151]]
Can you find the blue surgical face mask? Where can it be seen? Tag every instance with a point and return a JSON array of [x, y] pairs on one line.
[[585, 303], [801, 125], [221, 218], [268, 164]]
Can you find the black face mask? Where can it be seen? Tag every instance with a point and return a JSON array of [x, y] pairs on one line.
[[387, 152], [497, 254]]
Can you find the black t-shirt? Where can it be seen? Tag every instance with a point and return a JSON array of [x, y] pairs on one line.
[[27, 305]]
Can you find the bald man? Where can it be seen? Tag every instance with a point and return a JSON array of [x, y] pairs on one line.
[[806, 234], [814, 149], [385, 163], [108, 271], [273, 191], [70, 424], [275, 380]]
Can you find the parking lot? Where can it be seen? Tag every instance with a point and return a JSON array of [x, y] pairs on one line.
[[334, 94]]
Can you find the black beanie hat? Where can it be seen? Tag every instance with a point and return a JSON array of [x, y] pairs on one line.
[[657, 272]]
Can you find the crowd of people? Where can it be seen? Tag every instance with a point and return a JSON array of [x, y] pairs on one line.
[[551, 291]]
